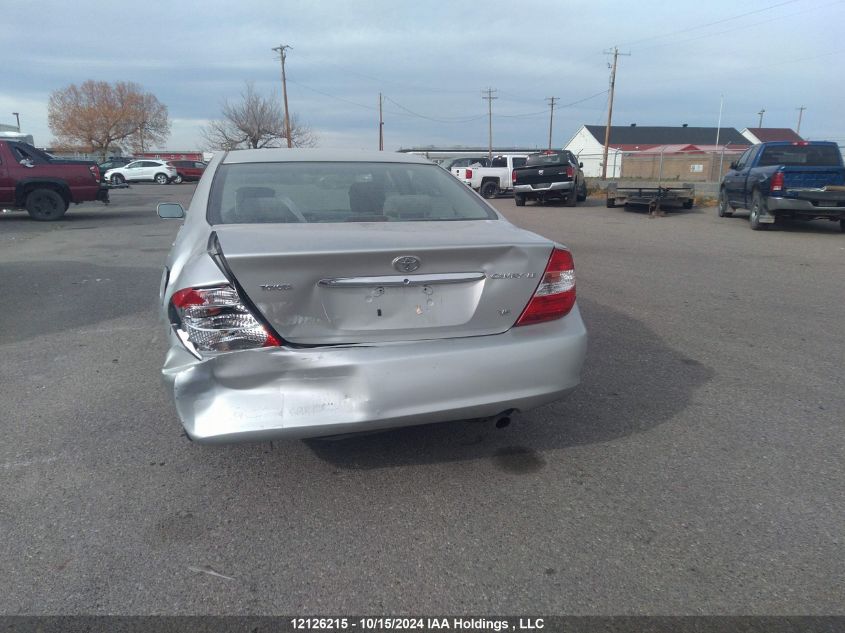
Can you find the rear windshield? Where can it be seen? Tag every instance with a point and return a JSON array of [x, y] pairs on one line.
[[249, 193], [547, 159], [800, 155]]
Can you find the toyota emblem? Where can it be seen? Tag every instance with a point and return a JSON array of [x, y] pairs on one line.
[[406, 263]]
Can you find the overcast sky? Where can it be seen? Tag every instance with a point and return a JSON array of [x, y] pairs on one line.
[[432, 60]]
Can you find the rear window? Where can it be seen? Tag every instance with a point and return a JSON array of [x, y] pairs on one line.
[[547, 159], [249, 193], [800, 155]]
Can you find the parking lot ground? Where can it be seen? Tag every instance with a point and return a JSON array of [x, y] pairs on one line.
[[697, 470]]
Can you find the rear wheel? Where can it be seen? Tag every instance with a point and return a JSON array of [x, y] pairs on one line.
[[519, 200], [688, 203], [725, 210], [757, 209], [162, 179], [489, 189], [117, 179], [572, 196], [611, 203], [178, 179], [582, 195], [45, 205]]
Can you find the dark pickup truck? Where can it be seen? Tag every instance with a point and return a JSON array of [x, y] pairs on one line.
[[549, 175], [802, 180], [43, 185]]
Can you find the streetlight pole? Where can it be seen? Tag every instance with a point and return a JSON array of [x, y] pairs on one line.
[[18, 119]]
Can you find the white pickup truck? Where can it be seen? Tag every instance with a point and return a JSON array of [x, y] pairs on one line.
[[493, 180]]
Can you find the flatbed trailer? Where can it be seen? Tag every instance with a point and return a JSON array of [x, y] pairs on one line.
[[652, 197]]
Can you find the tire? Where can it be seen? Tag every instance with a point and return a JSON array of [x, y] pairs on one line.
[[725, 210], [842, 225], [117, 179], [572, 197], [688, 204], [45, 205], [519, 200], [757, 208], [178, 179], [611, 203], [489, 189], [161, 179], [582, 195]]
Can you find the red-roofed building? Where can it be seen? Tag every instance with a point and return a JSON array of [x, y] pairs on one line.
[[768, 134]]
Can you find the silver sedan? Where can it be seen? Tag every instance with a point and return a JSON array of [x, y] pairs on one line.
[[314, 293]]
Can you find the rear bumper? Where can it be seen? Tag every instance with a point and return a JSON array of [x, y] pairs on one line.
[[826, 206], [270, 393], [557, 187]]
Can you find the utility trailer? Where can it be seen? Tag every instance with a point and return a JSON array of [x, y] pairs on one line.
[[652, 197]]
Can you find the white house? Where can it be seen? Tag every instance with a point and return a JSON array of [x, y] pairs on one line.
[[588, 143]]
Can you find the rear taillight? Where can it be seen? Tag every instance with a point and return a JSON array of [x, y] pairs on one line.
[[216, 320], [777, 182], [570, 172], [468, 174], [95, 171], [513, 176], [555, 295]]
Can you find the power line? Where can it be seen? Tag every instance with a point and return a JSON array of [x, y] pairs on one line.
[[702, 26], [738, 28]]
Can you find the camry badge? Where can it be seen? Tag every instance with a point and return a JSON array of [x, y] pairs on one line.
[[276, 287], [406, 263], [540, 171]]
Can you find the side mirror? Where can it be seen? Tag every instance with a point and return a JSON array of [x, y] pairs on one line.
[[733, 165], [580, 165], [27, 163], [170, 211]]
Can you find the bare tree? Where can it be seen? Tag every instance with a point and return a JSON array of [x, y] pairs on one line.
[[255, 122], [100, 117], [153, 125]]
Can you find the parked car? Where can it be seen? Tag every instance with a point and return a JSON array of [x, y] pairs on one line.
[[113, 163], [493, 180], [550, 175], [45, 186], [187, 170], [454, 163], [298, 309], [142, 170], [802, 179]]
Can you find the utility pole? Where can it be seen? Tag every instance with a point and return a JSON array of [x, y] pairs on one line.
[[380, 124], [551, 101], [761, 113], [800, 116], [616, 54], [281, 49], [18, 119], [489, 98]]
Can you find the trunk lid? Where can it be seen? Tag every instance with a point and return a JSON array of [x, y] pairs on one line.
[[541, 177], [334, 283]]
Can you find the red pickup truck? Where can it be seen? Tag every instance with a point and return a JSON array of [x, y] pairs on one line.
[[43, 185]]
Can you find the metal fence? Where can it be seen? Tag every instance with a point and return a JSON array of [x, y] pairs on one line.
[[680, 166]]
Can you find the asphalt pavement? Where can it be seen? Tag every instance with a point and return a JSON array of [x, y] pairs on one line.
[[697, 470]]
